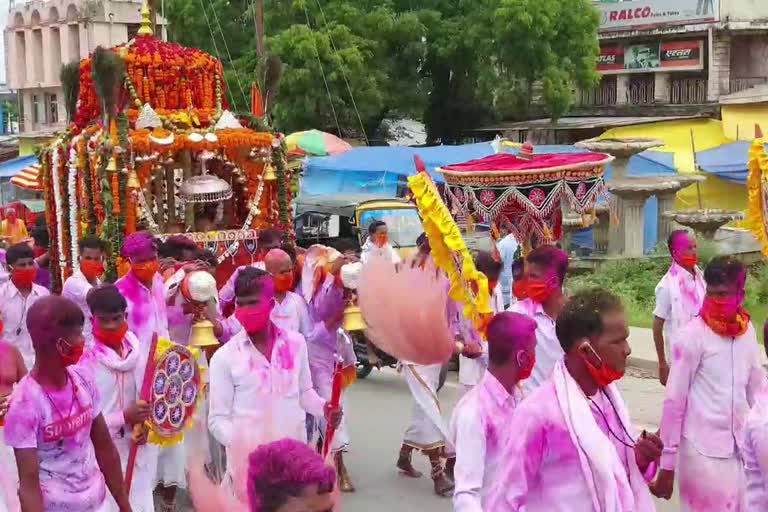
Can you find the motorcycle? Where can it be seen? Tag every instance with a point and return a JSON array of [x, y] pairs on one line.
[[366, 363]]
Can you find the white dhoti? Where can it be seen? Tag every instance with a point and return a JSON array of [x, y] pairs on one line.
[[172, 466], [427, 430], [9, 477], [709, 483]]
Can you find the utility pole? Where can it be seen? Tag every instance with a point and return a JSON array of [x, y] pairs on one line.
[[258, 20]]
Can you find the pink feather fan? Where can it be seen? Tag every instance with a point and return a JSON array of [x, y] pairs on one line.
[[208, 496], [405, 308]]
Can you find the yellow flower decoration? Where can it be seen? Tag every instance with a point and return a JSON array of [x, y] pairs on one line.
[[757, 192], [468, 285], [155, 436]]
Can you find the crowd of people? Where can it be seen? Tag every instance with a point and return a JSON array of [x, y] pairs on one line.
[[540, 425]]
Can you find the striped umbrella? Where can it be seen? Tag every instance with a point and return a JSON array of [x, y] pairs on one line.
[[29, 178], [315, 143]]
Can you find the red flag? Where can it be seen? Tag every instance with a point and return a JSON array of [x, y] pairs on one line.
[[257, 103]]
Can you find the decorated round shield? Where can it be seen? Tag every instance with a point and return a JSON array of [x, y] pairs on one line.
[[176, 385]]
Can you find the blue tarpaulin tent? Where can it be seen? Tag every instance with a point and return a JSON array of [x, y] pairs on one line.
[[727, 162], [11, 168]]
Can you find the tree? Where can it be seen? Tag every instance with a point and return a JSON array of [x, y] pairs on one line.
[[551, 42]]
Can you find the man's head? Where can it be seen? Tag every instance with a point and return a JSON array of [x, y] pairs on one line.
[[254, 299], [108, 307], [546, 267], [288, 476], [511, 345], [592, 328], [92, 252], [140, 249], [279, 265], [377, 233], [269, 238], [180, 248], [519, 284], [41, 238], [10, 212], [488, 265], [422, 243], [55, 325], [682, 248], [725, 277], [21, 259]]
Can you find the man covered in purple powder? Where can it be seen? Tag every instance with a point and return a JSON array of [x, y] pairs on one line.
[[64, 452]]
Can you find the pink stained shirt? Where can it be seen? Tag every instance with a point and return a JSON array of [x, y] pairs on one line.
[[540, 469], [76, 288], [479, 430], [712, 382], [243, 383], [147, 311], [548, 349], [679, 296], [755, 455], [58, 425], [13, 311]]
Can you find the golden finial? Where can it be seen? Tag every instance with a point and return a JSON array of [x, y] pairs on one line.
[[146, 22]]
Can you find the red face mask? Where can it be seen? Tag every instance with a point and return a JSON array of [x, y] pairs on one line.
[[525, 368], [39, 251], [380, 239], [602, 375], [111, 338], [283, 282], [539, 290], [254, 318], [145, 271], [723, 308], [92, 269], [23, 277], [520, 289], [688, 261], [71, 353]]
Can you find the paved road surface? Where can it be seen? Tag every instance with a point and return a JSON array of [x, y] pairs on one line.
[[379, 409]]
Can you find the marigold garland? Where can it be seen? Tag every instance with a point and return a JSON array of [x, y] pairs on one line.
[[757, 193]]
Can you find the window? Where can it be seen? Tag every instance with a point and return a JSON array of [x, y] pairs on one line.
[[38, 110], [53, 109]]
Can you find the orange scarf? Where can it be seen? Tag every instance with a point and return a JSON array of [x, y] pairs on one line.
[[727, 327]]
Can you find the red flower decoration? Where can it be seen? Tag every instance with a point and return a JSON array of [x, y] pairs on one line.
[[537, 197], [487, 197]]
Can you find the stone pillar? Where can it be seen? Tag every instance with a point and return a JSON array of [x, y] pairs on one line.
[[719, 79], [666, 203], [622, 89], [661, 88], [631, 224], [600, 231], [29, 58], [47, 57]]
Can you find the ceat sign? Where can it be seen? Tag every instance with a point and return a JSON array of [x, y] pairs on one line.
[[642, 14]]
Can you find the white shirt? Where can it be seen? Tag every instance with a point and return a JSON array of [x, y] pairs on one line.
[[756, 455], [147, 312], [679, 296], [479, 430], [292, 314], [13, 311], [245, 384], [507, 248], [76, 288], [472, 370], [548, 349], [712, 383]]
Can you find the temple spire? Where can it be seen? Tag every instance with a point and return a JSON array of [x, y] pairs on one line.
[[146, 21]]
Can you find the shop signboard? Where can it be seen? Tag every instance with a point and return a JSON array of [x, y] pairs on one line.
[[650, 58], [644, 14]]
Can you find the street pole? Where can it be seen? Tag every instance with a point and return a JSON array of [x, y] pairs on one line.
[[258, 20]]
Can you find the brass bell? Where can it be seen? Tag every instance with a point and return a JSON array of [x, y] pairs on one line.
[[112, 164], [202, 335], [133, 180], [269, 173], [353, 319]]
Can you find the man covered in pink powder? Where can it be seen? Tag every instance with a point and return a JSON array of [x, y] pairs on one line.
[[714, 379], [545, 271], [262, 373], [479, 426], [571, 446], [269, 238], [143, 289], [679, 296], [64, 452]]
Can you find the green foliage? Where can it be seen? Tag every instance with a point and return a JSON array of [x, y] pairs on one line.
[[453, 63], [70, 82], [108, 74]]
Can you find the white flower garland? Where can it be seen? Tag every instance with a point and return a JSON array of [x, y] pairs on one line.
[[72, 192], [57, 203]]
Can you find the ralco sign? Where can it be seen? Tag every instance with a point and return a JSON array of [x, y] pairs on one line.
[[637, 14]]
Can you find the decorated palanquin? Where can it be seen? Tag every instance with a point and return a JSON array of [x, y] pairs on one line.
[[525, 192], [152, 145], [757, 190]]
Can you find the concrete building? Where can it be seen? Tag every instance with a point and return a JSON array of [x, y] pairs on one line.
[[41, 35], [676, 57]]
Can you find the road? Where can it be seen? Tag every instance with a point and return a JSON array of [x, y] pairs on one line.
[[379, 408]]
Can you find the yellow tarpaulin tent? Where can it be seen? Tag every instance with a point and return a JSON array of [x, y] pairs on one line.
[[707, 134]]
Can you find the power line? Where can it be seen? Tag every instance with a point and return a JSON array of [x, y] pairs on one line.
[[215, 46], [322, 71], [229, 56]]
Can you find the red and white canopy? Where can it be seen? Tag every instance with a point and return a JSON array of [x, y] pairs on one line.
[[29, 178]]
